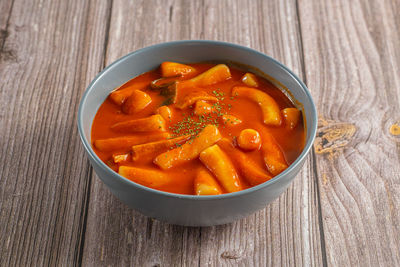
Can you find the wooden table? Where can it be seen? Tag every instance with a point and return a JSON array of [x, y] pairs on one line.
[[343, 209]]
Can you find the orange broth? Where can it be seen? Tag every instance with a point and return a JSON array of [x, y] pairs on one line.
[[291, 141]]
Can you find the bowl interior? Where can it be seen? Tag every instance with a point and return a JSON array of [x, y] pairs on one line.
[[149, 58]]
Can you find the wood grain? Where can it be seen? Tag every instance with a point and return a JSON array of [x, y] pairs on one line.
[[5, 7], [352, 62], [51, 50], [341, 210], [286, 232]]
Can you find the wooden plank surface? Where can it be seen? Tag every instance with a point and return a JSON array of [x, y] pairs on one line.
[[287, 231], [51, 50], [352, 62], [341, 210]]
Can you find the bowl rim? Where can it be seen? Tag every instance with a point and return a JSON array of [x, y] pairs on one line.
[[115, 175]]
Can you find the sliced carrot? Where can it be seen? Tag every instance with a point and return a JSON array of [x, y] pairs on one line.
[[170, 69], [250, 170], [222, 167], [250, 79], [125, 142], [272, 153], [147, 124], [269, 108], [148, 177], [119, 96], [193, 97], [136, 102], [190, 150], [205, 184], [291, 117], [148, 151]]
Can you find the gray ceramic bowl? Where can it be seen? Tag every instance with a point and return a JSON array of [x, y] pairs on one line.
[[187, 209]]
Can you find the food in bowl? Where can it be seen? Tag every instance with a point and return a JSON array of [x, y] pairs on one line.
[[198, 129]]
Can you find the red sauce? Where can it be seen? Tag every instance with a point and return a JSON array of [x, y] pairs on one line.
[[291, 141]]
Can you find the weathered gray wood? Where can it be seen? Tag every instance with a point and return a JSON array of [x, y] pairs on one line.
[[51, 51], [352, 59], [5, 7], [286, 232]]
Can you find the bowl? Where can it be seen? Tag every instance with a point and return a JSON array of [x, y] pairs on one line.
[[190, 210]]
